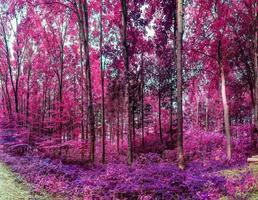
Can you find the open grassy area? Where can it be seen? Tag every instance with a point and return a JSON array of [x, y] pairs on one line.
[[13, 188]]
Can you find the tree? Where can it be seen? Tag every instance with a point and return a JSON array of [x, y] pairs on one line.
[[181, 163], [127, 81], [224, 100], [83, 20], [256, 63], [102, 86]]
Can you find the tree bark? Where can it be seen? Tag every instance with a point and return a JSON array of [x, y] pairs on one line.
[[181, 163], [142, 101], [160, 125], [207, 114], [84, 25], [253, 135], [8, 101], [224, 101], [127, 84], [102, 88], [171, 89], [133, 124], [9, 65], [256, 66], [28, 101], [122, 128], [82, 14], [118, 133], [197, 110]]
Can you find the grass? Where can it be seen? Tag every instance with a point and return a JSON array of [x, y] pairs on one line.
[[12, 187], [233, 173], [254, 169]]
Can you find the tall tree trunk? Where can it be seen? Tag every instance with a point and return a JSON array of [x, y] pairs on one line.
[[171, 115], [80, 18], [8, 103], [81, 10], [254, 138], [224, 101], [171, 90], [82, 95], [142, 101], [181, 163], [118, 133], [160, 125], [102, 89], [197, 110], [9, 64], [127, 84], [5, 101], [133, 124], [60, 88], [207, 114], [256, 66], [89, 84], [28, 101], [18, 65], [122, 127]]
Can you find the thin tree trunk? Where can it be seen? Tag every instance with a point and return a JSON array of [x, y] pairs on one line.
[[224, 101], [122, 128], [256, 67], [142, 101], [28, 101], [112, 131], [118, 133], [127, 85], [9, 103], [171, 116], [5, 101], [102, 89], [89, 84], [82, 96], [18, 54], [171, 90], [207, 114], [160, 125], [133, 125], [181, 163], [60, 91], [254, 139], [197, 110], [9, 64]]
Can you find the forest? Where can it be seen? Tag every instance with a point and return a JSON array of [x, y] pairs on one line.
[[129, 99]]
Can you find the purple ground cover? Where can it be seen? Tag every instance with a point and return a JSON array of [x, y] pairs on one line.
[[152, 176]]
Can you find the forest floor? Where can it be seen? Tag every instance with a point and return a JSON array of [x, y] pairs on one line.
[[63, 182], [152, 176]]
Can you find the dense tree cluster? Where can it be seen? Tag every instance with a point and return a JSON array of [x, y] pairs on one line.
[[88, 76]]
